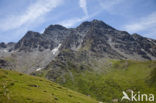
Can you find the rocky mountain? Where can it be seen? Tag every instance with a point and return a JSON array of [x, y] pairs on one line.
[[91, 45], [89, 42], [34, 51], [52, 37], [103, 40]]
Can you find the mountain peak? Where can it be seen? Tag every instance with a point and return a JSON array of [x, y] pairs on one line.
[[99, 23], [2, 45], [31, 34], [54, 27], [94, 23]]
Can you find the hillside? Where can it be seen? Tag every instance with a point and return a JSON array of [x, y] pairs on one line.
[[20, 88], [107, 83]]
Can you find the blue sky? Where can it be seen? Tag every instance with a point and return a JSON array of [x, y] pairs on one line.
[[19, 16]]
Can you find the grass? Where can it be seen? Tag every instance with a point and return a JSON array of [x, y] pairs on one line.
[[21, 88], [121, 76]]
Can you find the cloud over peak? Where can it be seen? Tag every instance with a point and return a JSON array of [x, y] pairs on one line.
[[142, 24], [83, 5], [32, 13]]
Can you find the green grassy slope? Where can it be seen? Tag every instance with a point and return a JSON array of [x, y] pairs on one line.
[[121, 76], [20, 88]]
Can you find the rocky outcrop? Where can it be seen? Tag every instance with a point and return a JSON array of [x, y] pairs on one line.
[[33, 41], [6, 65]]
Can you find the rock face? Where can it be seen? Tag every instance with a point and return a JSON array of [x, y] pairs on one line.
[[33, 41], [5, 64], [103, 40], [91, 41], [57, 33], [3, 45]]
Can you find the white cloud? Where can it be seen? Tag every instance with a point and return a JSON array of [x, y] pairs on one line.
[[34, 12], [105, 4], [83, 5], [109, 4], [73, 21], [143, 24]]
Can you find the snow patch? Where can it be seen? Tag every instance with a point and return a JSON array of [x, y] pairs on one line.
[[38, 69], [55, 50], [5, 50]]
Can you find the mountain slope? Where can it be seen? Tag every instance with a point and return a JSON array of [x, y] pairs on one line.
[[20, 88], [107, 83]]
